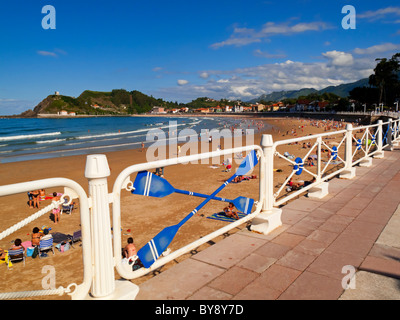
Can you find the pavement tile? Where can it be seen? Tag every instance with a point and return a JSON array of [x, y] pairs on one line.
[[378, 216], [230, 250], [325, 237], [256, 263], [279, 277], [385, 252], [333, 226], [310, 247], [387, 267], [303, 205], [349, 212], [311, 286], [296, 260], [207, 293], [332, 205], [288, 239], [302, 229], [292, 216], [330, 263], [234, 280], [365, 229], [257, 290], [358, 203], [324, 213], [272, 250], [352, 244]]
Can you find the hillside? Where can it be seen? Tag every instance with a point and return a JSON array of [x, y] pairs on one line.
[[340, 90], [116, 102]]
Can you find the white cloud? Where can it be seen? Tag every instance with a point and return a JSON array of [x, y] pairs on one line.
[[385, 47], [47, 53], [339, 58], [263, 54], [54, 53], [373, 15], [182, 82], [247, 83], [204, 75], [245, 36]]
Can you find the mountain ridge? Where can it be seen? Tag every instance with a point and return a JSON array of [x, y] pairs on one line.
[[341, 90]]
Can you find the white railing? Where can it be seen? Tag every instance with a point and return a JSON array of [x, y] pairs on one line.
[[347, 151], [101, 250]]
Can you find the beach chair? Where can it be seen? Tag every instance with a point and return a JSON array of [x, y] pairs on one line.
[[65, 208], [15, 255], [46, 245], [77, 236]]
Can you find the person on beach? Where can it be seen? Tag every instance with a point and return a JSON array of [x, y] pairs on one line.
[[42, 195], [30, 200], [292, 185], [130, 249], [16, 246], [56, 210], [35, 236], [35, 196], [229, 212], [46, 235], [142, 146]]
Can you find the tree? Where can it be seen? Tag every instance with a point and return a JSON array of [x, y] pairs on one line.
[[386, 78]]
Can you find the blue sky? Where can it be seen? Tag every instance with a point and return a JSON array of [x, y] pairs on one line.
[[180, 50]]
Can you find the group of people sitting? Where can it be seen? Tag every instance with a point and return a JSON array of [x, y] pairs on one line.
[[37, 235]]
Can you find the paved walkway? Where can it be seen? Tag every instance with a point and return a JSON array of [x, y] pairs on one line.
[[357, 225]]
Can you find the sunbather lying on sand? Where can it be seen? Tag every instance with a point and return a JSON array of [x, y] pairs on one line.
[[229, 211]]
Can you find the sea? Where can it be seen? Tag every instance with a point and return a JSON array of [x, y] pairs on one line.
[[23, 139]]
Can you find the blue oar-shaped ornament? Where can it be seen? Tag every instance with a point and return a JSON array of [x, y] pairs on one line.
[[151, 185], [150, 252]]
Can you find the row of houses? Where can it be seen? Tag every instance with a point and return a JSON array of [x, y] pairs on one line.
[[236, 108], [301, 105]]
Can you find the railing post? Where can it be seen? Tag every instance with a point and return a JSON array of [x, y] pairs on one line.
[[349, 172], [396, 133], [96, 172], [379, 141], [270, 217], [320, 190], [389, 136], [104, 285]]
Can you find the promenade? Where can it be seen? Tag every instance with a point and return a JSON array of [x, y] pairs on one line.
[[357, 225]]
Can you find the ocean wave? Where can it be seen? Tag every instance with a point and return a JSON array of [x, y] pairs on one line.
[[51, 141], [110, 134], [29, 136]]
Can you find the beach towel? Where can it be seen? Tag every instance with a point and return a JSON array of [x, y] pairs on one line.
[[222, 217], [59, 237]]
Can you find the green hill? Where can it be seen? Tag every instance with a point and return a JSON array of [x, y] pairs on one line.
[[116, 102]]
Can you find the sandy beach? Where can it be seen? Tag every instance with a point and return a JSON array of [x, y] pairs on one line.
[[142, 217]]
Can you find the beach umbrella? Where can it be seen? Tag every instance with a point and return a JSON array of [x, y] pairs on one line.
[[150, 252], [151, 185]]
